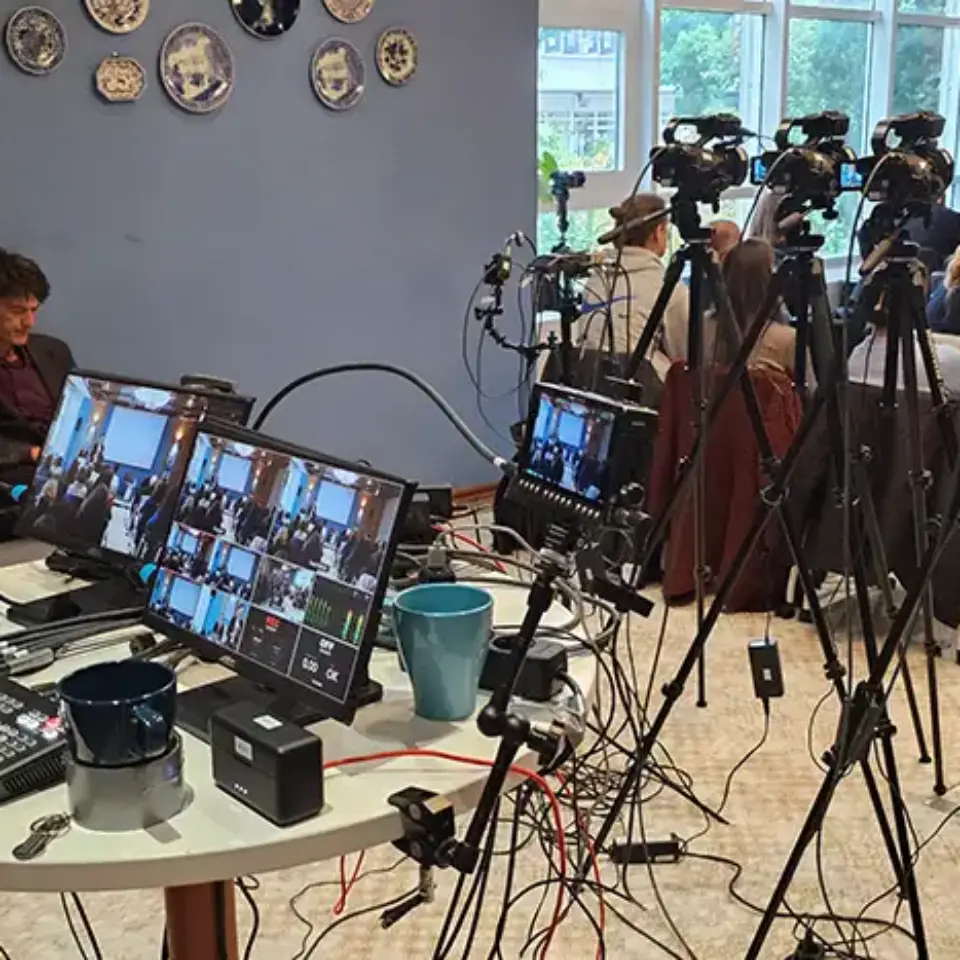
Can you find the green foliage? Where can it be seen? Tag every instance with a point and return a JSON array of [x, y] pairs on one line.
[[701, 60]]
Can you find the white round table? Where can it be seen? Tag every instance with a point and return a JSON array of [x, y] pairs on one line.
[[196, 855]]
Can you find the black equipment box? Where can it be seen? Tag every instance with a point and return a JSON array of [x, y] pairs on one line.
[[32, 744], [270, 765]]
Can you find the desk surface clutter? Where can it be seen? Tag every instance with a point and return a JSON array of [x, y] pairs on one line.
[[215, 837]]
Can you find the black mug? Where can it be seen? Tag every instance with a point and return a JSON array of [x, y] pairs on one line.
[[119, 714]]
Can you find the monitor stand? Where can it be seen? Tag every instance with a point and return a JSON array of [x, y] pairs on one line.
[[196, 706], [112, 589]]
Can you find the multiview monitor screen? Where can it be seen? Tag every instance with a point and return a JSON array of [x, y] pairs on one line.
[[277, 562], [108, 475]]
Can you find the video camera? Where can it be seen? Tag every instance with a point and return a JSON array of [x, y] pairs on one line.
[[582, 454], [702, 168], [915, 172], [815, 172]]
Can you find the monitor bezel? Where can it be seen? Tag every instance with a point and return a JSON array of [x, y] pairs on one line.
[[78, 547], [547, 488], [284, 686]]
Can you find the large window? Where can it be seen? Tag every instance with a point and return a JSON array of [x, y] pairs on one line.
[[710, 63], [579, 96], [612, 72]]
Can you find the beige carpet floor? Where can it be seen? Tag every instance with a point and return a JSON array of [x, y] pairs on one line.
[[769, 800]]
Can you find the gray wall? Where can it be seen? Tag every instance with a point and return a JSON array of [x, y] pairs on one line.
[[276, 237]]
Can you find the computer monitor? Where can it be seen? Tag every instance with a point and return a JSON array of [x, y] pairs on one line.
[[108, 475], [276, 565]]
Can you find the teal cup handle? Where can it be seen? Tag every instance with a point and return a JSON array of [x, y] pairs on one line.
[[443, 631]]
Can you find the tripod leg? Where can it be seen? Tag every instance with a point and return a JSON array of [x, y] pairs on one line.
[[833, 668], [920, 485], [808, 831], [696, 364]]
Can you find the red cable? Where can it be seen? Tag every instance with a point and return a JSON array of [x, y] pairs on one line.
[[345, 885], [463, 538], [516, 771]]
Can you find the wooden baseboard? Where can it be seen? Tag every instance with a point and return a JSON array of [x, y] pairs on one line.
[[479, 493]]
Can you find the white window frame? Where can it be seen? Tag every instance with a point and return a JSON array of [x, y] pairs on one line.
[[639, 23]]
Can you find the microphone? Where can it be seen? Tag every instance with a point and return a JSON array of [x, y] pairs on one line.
[[622, 228], [877, 254]]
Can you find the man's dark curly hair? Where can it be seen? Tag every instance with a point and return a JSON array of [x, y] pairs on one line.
[[21, 277]]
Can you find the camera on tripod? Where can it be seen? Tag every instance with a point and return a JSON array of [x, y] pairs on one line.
[[563, 181], [917, 170], [702, 168], [581, 454], [815, 172]]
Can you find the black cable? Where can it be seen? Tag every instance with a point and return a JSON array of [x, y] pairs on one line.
[[478, 445], [737, 767], [294, 909], [377, 907], [87, 926], [524, 792], [254, 917], [475, 894], [3, 953]]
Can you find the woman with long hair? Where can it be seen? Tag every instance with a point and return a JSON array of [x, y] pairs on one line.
[[747, 276], [943, 307]]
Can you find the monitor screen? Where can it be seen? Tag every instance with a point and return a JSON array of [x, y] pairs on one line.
[[291, 564], [114, 457], [570, 444]]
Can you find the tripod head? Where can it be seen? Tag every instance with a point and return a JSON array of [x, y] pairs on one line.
[[685, 215]]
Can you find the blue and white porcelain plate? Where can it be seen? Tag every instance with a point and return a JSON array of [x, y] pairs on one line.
[[266, 19], [36, 40], [337, 74], [397, 56], [196, 68]]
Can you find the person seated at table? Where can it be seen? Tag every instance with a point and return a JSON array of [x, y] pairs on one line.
[[33, 368], [943, 307], [867, 362]]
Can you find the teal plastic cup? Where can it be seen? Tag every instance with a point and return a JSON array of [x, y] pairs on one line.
[[443, 630]]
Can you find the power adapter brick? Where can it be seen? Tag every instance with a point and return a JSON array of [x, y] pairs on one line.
[[540, 676], [766, 669]]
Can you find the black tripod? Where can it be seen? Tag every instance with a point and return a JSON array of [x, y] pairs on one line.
[[807, 292], [704, 274], [772, 500], [899, 289], [896, 289]]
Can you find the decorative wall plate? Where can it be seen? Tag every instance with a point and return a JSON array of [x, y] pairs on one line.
[[349, 11], [266, 19], [36, 40], [337, 74], [196, 68], [118, 16], [397, 55], [120, 79]]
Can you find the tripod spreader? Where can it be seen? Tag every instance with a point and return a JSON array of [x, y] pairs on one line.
[[428, 820]]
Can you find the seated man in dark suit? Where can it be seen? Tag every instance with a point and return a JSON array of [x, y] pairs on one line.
[[33, 368]]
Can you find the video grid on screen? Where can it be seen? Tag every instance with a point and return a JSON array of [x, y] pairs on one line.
[[109, 472], [570, 445], [278, 558]]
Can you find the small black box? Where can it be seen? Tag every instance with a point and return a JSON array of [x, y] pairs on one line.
[[272, 766]]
